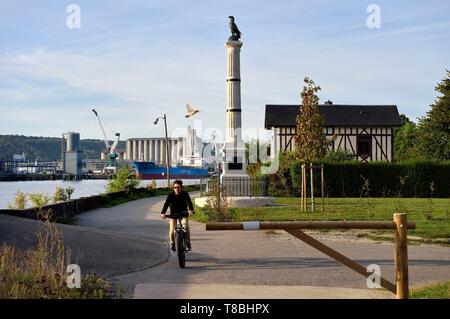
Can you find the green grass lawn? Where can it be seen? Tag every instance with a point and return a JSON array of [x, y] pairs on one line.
[[437, 291], [432, 217], [149, 193]]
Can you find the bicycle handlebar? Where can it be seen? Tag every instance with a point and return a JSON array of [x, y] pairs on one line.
[[178, 215]]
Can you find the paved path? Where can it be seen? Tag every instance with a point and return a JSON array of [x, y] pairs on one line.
[[103, 252], [254, 264]]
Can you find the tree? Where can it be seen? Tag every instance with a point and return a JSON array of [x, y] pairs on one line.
[[405, 140], [123, 180], [311, 143], [433, 132]]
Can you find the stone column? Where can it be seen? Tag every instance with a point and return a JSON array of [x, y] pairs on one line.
[[173, 153], [163, 152], [152, 150], [235, 162], [157, 152], [128, 149], [139, 157], [145, 151], [134, 150]]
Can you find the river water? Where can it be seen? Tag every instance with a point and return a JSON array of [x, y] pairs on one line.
[[82, 188]]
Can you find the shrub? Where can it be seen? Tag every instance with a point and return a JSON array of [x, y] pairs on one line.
[[20, 201], [38, 199], [339, 155], [69, 192], [405, 179], [217, 210], [123, 180], [60, 195]]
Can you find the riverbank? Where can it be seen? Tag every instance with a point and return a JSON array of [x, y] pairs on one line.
[[9, 177], [83, 188], [64, 211]]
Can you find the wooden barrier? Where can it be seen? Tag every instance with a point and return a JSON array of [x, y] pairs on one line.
[[399, 224], [306, 225]]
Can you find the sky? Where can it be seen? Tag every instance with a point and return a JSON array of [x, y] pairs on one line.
[[135, 60]]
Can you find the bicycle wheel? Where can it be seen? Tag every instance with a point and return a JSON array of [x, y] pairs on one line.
[[181, 250]]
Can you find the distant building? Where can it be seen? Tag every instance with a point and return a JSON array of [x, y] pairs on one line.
[[153, 149], [71, 154], [19, 157], [367, 131], [120, 152], [182, 150]]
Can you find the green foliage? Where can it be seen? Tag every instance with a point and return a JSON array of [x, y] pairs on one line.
[[45, 148], [433, 132], [20, 201], [254, 169], [39, 199], [60, 195], [280, 183], [404, 142], [217, 209], [123, 180], [339, 155], [343, 179], [253, 148], [310, 142], [69, 192], [436, 291]]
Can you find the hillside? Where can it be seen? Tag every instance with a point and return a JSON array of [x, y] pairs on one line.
[[45, 148]]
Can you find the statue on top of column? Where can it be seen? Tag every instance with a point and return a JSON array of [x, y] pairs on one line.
[[235, 33]]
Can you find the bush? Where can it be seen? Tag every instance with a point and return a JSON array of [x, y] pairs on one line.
[[60, 195], [345, 179], [217, 210], [20, 201], [123, 180], [38, 199], [69, 192], [339, 155]]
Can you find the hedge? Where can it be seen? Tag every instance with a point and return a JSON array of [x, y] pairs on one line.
[[347, 179]]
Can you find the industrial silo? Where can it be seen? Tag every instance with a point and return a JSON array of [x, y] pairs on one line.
[[73, 141]]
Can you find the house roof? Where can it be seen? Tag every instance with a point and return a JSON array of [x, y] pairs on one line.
[[336, 115]]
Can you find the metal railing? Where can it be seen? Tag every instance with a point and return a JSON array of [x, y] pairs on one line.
[[239, 186]]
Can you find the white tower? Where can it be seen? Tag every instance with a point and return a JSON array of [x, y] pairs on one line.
[[235, 162]]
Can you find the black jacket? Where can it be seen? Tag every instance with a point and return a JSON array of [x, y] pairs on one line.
[[178, 203]]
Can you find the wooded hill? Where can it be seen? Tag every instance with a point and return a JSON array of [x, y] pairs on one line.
[[46, 148]]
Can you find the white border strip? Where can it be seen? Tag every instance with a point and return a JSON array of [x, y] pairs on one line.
[[251, 225]]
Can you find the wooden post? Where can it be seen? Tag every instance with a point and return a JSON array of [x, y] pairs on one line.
[[311, 173], [301, 188], [322, 187], [401, 256], [305, 193], [302, 192]]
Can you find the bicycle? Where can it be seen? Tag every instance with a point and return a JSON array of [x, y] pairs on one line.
[[180, 243]]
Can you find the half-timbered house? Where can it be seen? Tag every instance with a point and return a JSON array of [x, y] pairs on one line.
[[367, 131]]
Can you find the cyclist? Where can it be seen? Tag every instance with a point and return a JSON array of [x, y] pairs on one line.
[[179, 201]]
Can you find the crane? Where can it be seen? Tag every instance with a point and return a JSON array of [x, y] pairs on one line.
[[111, 149]]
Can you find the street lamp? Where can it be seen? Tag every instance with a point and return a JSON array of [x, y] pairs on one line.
[[167, 146]]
